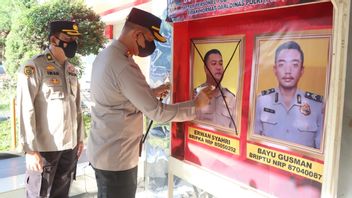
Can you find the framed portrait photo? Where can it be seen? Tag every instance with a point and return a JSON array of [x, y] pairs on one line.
[[217, 62], [289, 90]]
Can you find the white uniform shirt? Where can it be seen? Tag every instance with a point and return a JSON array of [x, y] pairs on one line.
[[301, 123], [120, 96]]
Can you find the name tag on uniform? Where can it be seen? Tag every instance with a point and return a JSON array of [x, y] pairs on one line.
[[269, 110]]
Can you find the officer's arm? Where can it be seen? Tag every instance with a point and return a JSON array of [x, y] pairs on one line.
[[320, 130], [27, 89], [80, 127], [137, 91]]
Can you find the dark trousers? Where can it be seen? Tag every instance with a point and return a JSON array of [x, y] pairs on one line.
[[55, 180], [116, 184]]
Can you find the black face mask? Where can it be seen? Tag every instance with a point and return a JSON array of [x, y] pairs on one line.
[[148, 50], [70, 49]]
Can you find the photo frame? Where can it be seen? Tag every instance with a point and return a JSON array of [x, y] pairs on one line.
[[295, 122], [216, 116]]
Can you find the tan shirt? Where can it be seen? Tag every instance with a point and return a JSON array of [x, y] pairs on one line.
[[120, 96], [48, 104]]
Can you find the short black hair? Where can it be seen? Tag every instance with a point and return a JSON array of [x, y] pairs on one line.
[[212, 51], [289, 45]]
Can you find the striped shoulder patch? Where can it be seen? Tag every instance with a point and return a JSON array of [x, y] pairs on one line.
[[313, 96], [268, 91]]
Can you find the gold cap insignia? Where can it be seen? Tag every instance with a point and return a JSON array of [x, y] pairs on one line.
[[75, 27]]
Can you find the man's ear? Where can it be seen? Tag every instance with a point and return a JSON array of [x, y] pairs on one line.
[[135, 34], [52, 40], [302, 70], [274, 69]]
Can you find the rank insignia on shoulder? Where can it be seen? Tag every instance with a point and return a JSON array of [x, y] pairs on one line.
[[28, 70], [269, 110], [313, 96], [49, 57], [305, 109], [268, 91]]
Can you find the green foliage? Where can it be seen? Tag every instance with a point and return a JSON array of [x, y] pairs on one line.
[[5, 137], [5, 20], [9, 10], [7, 92], [86, 122], [29, 32]]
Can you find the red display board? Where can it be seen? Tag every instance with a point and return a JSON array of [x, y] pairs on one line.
[[280, 167], [182, 10]]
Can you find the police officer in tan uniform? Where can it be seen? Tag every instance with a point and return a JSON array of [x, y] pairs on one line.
[[287, 113], [50, 117], [216, 111], [120, 96]]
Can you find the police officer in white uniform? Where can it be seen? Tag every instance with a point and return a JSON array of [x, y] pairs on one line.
[[120, 96], [216, 111], [50, 117], [287, 113]]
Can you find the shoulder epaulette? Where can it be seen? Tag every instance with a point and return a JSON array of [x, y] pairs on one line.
[[37, 56], [313, 96], [268, 91], [230, 92]]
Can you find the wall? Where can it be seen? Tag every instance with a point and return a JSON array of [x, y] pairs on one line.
[[345, 169]]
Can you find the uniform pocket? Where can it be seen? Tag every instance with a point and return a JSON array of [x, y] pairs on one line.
[[268, 118], [55, 93], [33, 183], [307, 127], [224, 112]]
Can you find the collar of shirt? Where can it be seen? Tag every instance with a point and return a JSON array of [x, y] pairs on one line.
[[51, 58], [218, 93], [296, 100], [121, 47]]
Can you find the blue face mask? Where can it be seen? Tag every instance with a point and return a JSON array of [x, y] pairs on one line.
[[148, 50]]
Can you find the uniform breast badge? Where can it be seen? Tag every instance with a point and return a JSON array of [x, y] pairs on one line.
[[305, 109], [28, 70], [54, 81]]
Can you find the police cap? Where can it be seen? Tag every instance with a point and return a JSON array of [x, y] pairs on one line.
[[67, 27], [147, 20]]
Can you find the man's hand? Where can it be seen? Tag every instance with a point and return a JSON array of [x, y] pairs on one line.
[[204, 96], [34, 161], [162, 90], [80, 148]]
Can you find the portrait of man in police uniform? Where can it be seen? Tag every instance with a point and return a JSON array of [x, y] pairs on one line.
[[222, 106], [286, 112]]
